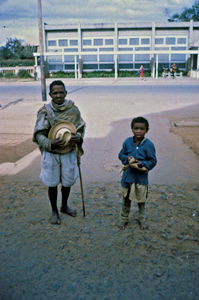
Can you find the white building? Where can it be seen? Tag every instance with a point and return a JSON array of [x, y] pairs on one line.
[[121, 46]]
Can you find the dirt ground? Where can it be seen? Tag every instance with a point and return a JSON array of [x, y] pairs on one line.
[[90, 258], [190, 136]]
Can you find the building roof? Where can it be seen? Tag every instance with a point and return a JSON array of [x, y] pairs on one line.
[[136, 25]]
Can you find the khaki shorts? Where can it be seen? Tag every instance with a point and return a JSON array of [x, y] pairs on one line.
[[138, 192]]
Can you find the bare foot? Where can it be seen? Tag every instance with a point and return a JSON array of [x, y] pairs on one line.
[[55, 219], [69, 211], [122, 225], [142, 224]]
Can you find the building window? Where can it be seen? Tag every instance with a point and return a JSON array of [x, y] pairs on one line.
[[63, 43], [98, 42], [134, 41], [108, 42], [163, 58], [106, 66], [178, 48], [54, 58], [71, 50], [86, 42], [89, 49], [106, 58], [170, 40], [142, 57], [52, 43], [90, 66], [89, 58], [142, 48], [122, 41], [125, 49], [159, 41], [55, 67], [181, 40], [145, 41], [73, 42], [161, 48], [125, 57], [69, 58], [55, 50], [106, 49], [178, 57]]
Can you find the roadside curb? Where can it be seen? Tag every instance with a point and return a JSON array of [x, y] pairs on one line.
[[9, 168]]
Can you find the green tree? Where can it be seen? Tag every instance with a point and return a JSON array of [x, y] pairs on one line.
[[15, 47], [27, 52], [5, 53], [15, 50], [187, 14]]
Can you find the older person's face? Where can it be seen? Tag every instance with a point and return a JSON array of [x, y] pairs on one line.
[[58, 94]]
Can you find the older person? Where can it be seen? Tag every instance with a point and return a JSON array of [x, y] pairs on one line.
[[58, 160]]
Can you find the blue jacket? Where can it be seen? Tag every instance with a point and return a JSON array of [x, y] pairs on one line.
[[145, 153]]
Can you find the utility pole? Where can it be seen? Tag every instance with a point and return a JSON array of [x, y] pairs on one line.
[[41, 46]]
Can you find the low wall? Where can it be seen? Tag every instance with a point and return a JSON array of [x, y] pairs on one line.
[[194, 74], [15, 70]]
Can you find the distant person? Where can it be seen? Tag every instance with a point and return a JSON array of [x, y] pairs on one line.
[[173, 70], [141, 71], [59, 126], [35, 73], [138, 156]]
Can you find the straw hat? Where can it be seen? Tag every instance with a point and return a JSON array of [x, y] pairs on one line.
[[64, 131]]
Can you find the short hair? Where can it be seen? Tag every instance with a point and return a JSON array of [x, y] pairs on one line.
[[56, 82], [140, 120]]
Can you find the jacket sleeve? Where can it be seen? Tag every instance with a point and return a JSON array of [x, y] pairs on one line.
[[122, 155], [43, 142], [42, 127], [151, 159]]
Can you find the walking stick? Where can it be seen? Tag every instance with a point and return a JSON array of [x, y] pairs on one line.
[[80, 178]]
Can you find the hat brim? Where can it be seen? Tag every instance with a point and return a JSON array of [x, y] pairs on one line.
[[60, 126]]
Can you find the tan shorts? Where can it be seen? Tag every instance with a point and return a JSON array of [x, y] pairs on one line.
[[138, 192]]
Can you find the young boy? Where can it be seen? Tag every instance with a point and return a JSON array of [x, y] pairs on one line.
[[58, 164], [138, 157]]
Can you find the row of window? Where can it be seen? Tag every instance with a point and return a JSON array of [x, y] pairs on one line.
[[121, 41], [121, 58], [121, 66], [63, 43], [120, 49]]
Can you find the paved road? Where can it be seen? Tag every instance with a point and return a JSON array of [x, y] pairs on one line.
[[12, 91], [108, 110]]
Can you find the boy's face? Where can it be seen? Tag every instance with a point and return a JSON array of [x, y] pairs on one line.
[[139, 131], [58, 94]]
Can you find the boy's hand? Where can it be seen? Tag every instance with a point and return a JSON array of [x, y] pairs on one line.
[[131, 160], [139, 167]]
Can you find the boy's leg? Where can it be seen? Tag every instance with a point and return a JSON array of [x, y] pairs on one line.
[[141, 195], [64, 207], [52, 194], [126, 206], [141, 207]]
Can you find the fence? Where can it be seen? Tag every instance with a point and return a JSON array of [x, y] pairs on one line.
[[15, 70]]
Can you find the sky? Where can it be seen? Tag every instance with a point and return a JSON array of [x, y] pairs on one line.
[[19, 19]]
